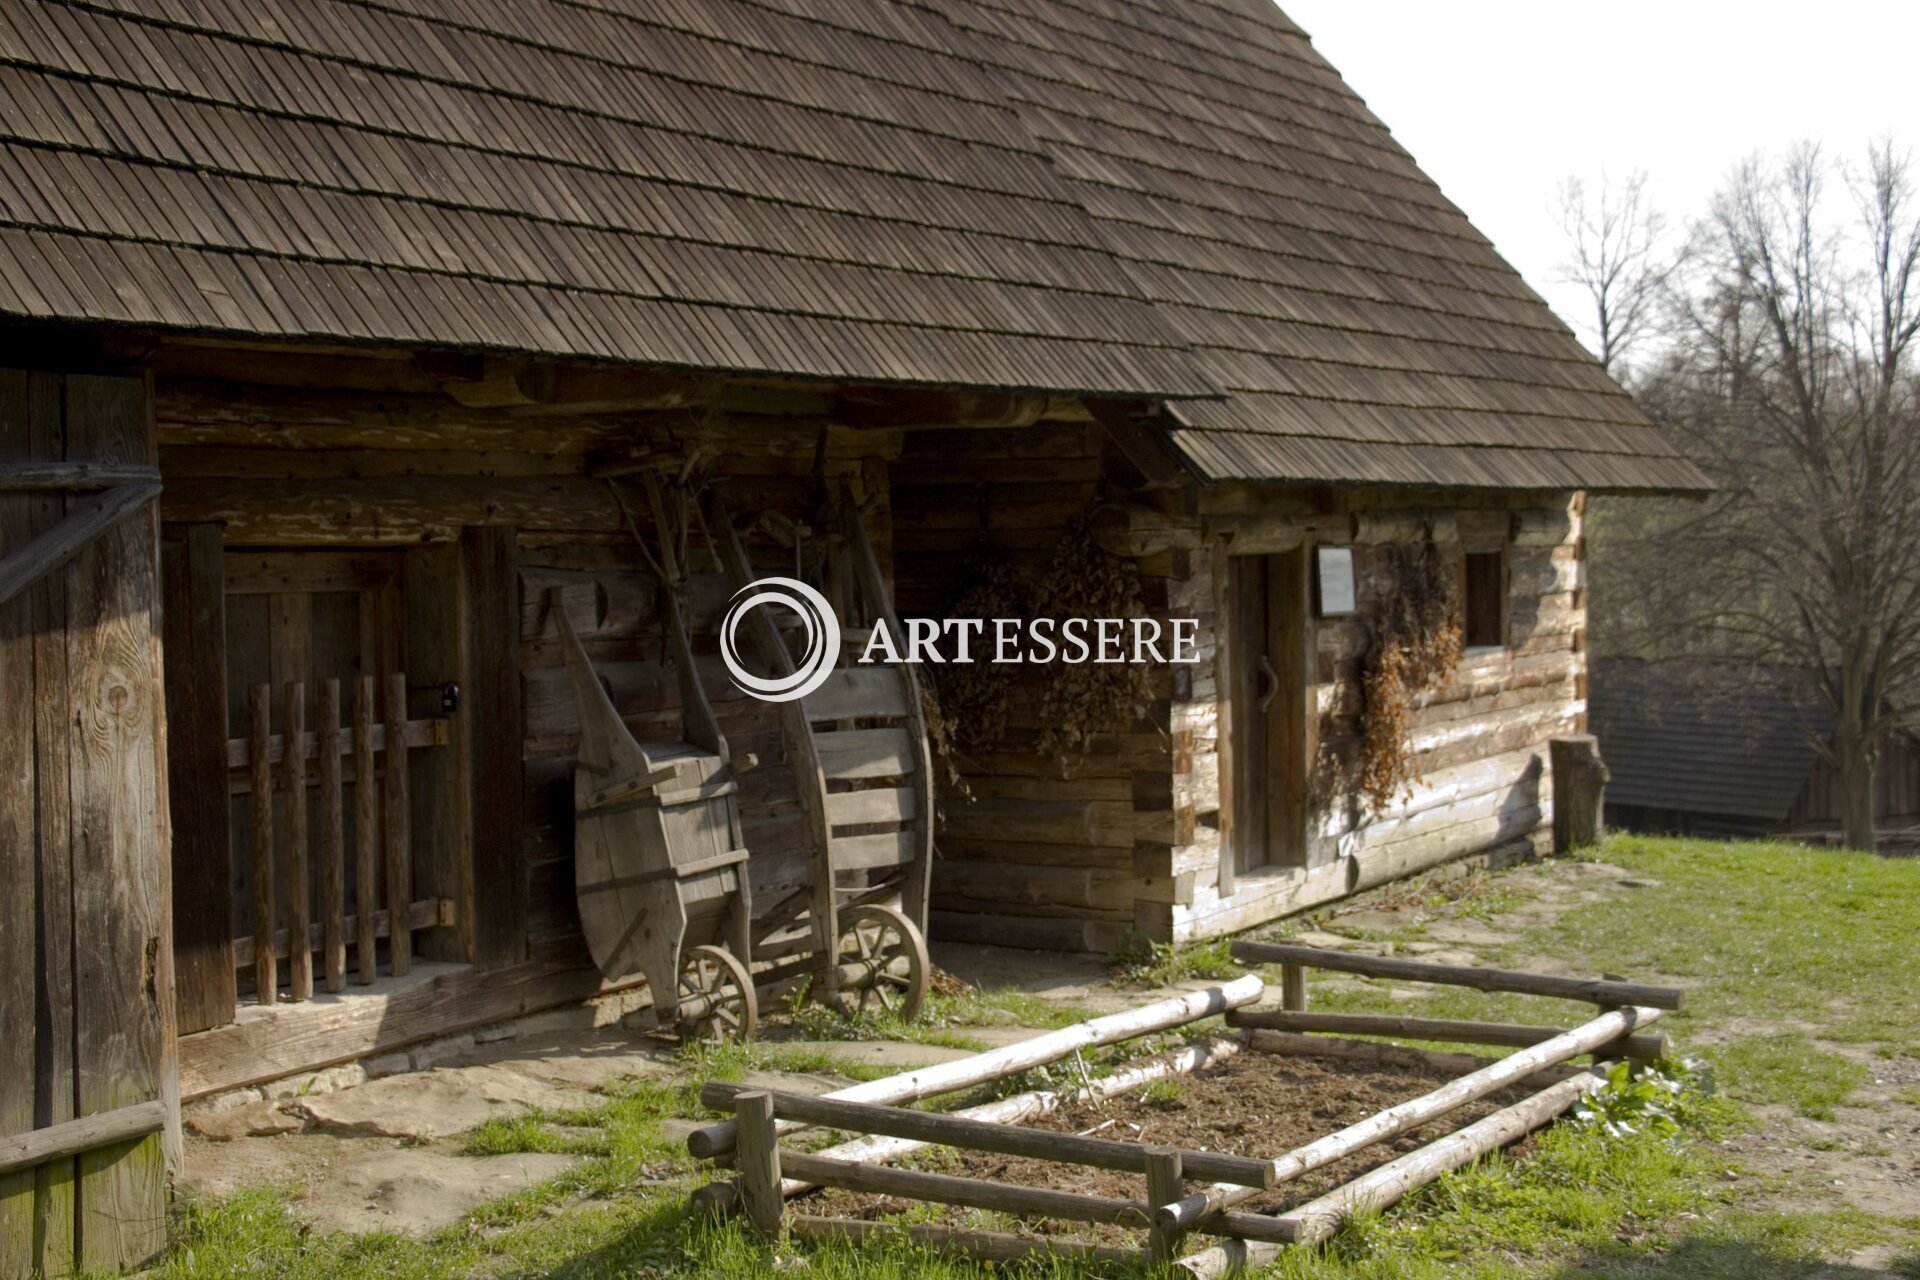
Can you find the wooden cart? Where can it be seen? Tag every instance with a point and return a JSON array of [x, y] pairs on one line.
[[864, 780], [659, 862]]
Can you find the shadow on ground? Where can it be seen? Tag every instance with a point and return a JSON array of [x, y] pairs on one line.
[[1711, 1258]]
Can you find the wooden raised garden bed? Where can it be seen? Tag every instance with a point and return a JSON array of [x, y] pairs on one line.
[[1461, 1107]]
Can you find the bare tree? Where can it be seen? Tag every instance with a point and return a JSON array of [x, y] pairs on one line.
[[1617, 253], [1791, 379]]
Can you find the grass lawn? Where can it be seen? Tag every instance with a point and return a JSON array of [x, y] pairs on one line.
[[1805, 973]]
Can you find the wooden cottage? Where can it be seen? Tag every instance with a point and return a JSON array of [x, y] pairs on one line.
[[327, 325]]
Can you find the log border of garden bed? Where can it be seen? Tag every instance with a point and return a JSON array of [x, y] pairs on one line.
[[1171, 1209]]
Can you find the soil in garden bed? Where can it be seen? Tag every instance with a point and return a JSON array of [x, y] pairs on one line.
[[1253, 1104]]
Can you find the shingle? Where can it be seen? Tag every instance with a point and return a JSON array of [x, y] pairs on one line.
[[1158, 198]]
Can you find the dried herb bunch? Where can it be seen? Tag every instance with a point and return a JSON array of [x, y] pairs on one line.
[[1416, 636], [1084, 580]]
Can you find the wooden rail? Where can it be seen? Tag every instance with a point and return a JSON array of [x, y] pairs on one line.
[[1601, 991], [982, 1135], [88, 1133], [1456, 1031]]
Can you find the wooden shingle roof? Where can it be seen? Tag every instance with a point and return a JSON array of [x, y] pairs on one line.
[[1170, 199], [704, 183], [1363, 329]]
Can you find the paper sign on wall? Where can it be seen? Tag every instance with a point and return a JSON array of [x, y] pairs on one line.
[[1334, 578]]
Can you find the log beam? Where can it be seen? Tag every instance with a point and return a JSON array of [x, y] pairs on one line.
[[1595, 991]]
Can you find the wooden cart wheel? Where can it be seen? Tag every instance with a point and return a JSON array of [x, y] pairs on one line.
[[716, 996], [882, 963]]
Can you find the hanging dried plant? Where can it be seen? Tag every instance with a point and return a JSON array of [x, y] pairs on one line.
[[1416, 639], [1079, 700], [975, 696]]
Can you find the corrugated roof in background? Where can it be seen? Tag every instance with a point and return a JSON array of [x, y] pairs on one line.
[[1683, 736]]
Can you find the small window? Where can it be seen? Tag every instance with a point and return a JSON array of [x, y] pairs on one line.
[[1483, 600]]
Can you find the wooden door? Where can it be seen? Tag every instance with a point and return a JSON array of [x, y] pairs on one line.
[[86, 1015], [304, 617], [1267, 709]]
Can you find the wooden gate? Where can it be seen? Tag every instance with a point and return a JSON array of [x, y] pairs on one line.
[[87, 1078]]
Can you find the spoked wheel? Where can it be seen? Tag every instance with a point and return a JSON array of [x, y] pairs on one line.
[[882, 964], [716, 996]]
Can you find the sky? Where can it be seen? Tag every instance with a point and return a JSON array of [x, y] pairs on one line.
[[1499, 100]]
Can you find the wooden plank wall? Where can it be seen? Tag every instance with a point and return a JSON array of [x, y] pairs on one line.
[[86, 981]]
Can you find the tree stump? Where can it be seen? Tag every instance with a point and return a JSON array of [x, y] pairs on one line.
[[1579, 791]]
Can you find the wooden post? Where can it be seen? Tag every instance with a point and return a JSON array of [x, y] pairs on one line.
[[195, 637], [398, 836], [333, 843], [496, 895], [293, 770], [266, 971], [1293, 988], [1165, 1186], [366, 830], [759, 1162], [1579, 791]]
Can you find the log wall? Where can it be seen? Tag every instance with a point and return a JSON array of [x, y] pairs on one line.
[[1134, 836]]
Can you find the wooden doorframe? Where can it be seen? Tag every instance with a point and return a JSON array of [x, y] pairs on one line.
[[1267, 732]]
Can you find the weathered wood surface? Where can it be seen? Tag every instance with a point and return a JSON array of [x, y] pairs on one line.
[[1579, 792], [432, 731], [491, 707], [116, 786], [435, 1000], [1320, 1219], [333, 842], [759, 1161], [1415, 1112], [1020, 1107], [24, 476], [21, 834], [926, 1082], [1592, 991], [427, 913], [366, 833], [1449, 1030], [260, 842], [1166, 1185], [981, 1135], [22, 566], [194, 638], [24, 1151], [299, 877], [396, 827]]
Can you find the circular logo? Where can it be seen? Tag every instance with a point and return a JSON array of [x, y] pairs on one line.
[[822, 631]]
